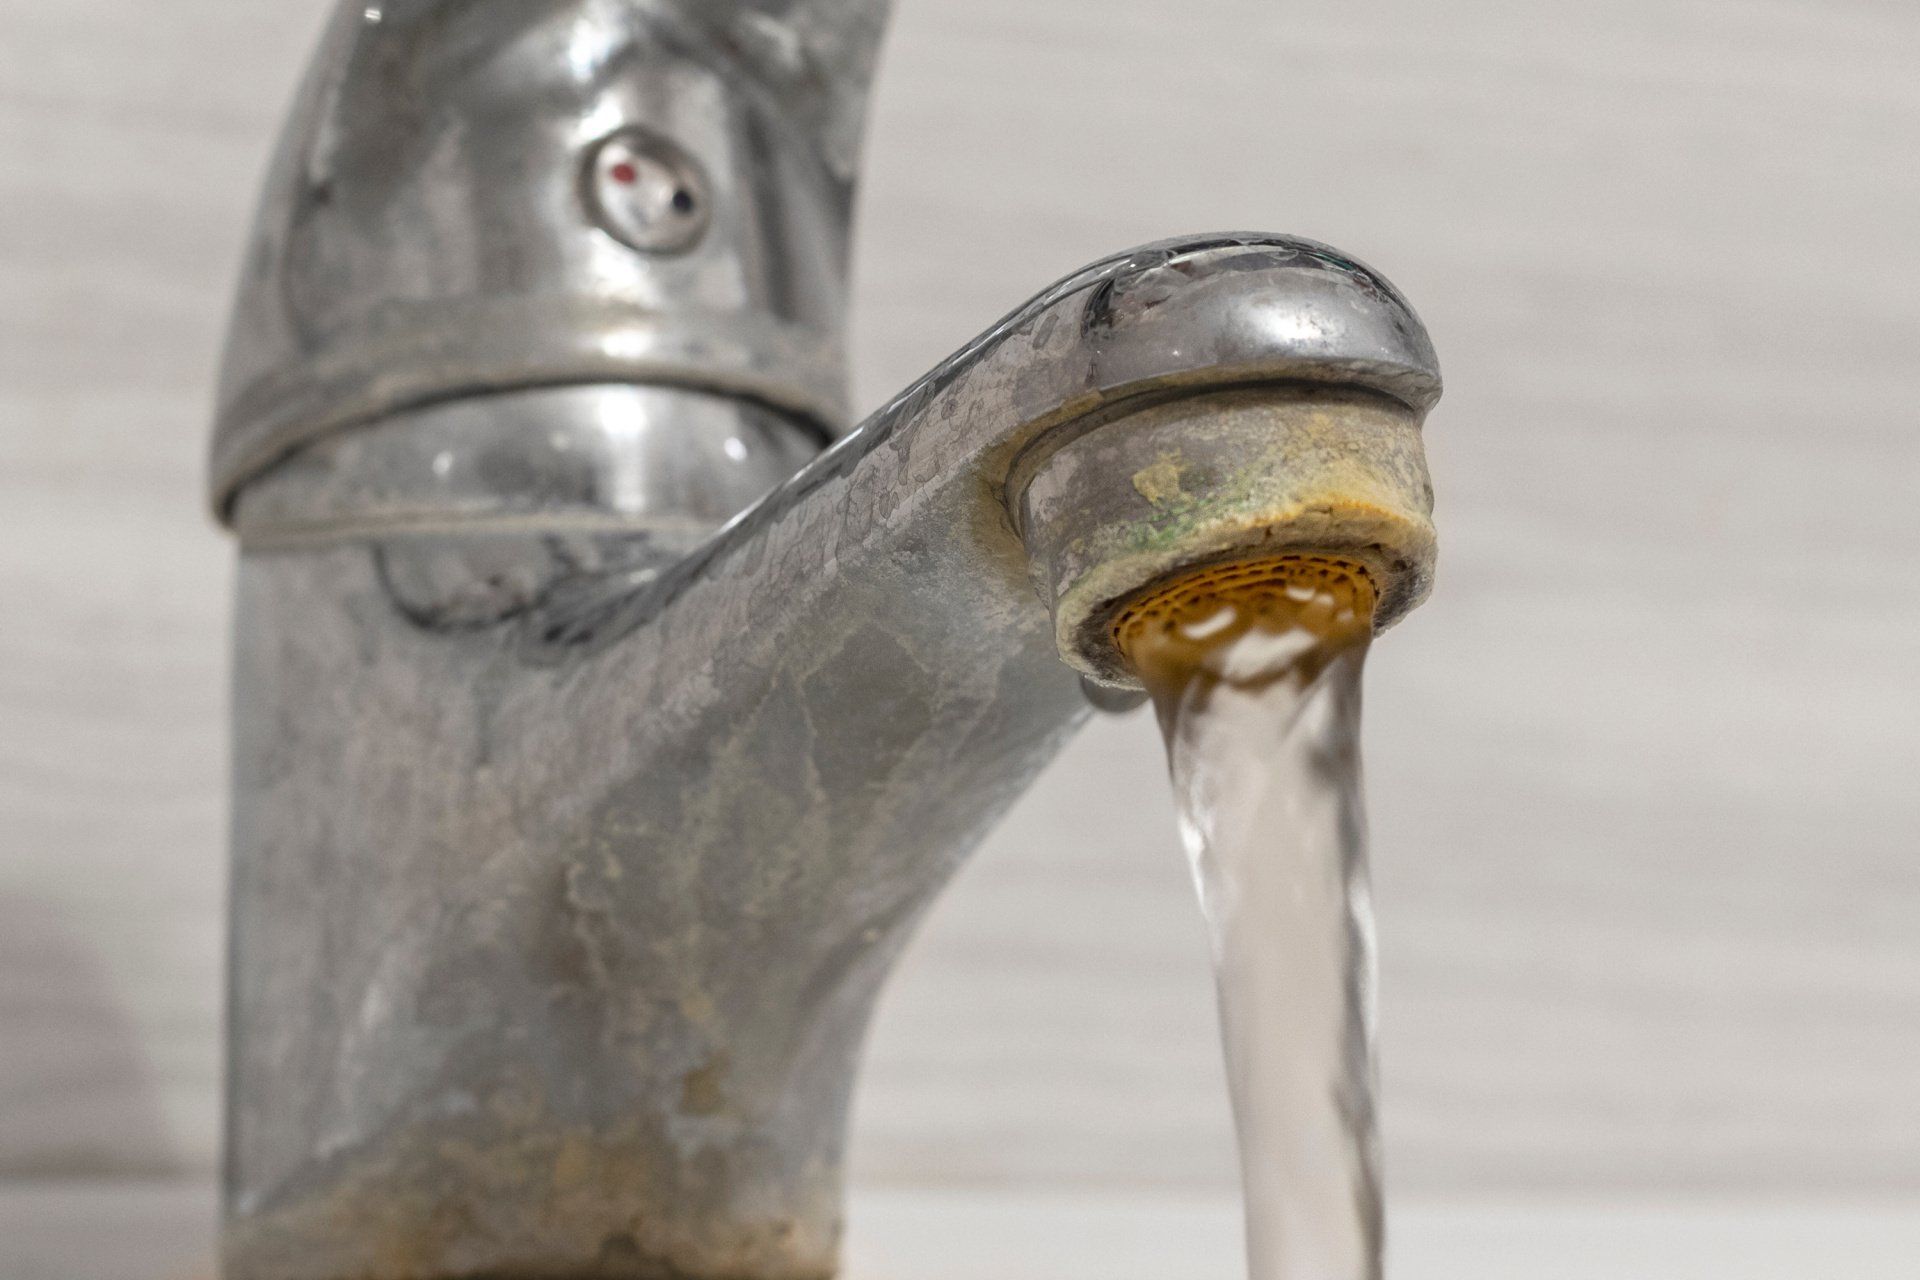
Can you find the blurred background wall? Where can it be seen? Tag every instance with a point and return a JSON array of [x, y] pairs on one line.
[[1643, 773]]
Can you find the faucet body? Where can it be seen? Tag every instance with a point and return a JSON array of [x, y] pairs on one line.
[[598, 738]]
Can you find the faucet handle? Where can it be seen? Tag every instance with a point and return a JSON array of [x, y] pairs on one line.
[[471, 199]]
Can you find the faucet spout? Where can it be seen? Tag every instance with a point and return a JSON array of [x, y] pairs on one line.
[[604, 863]]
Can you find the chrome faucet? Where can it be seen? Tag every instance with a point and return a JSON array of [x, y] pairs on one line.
[[600, 733]]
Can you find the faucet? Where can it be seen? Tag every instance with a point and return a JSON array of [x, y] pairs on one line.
[[607, 712]]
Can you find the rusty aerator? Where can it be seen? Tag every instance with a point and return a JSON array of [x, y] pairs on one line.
[[1213, 484]]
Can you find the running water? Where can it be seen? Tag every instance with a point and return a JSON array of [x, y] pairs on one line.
[[1255, 675]]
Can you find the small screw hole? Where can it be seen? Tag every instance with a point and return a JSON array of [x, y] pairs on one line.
[[682, 200]]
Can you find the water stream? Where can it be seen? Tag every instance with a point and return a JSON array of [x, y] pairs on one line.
[[1255, 676]]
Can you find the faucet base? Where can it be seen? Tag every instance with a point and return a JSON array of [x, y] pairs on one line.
[[449, 1200], [552, 957]]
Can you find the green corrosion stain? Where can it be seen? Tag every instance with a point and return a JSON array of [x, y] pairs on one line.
[[1179, 514]]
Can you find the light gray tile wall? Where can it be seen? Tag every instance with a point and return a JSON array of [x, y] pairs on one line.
[[1646, 821]]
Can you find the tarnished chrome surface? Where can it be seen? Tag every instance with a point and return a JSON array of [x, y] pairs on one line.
[[566, 871], [429, 231], [582, 795], [673, 463]]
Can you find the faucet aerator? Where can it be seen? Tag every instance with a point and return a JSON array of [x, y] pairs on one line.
[[1112, 514]]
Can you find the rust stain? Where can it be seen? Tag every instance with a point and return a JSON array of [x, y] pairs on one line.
[[701, 1093], [573, 1163], [444, 1200]]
